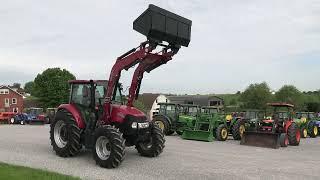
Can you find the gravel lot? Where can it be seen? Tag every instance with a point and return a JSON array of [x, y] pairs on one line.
[[29, 146]]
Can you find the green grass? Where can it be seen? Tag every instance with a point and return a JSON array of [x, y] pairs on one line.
[[24, 173]]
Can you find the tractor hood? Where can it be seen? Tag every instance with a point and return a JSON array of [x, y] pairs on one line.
[[120, 112]]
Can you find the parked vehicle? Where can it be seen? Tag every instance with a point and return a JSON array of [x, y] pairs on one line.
[[20, 118], [5, 117], [307, 124], [209, 124], [174, 117], [278, 130], [36, 115]]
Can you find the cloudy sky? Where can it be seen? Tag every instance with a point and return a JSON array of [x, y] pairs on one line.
[[234, 43]]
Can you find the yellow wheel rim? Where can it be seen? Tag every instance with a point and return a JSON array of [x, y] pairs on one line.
[[160, 124], [224, 133], [315, 130], [241, 130], [305, 132]]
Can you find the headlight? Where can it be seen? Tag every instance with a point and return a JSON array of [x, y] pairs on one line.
[[143, 125], [134, 125]]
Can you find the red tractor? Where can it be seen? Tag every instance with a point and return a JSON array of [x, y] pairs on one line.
[[96, 116], [277, 130]]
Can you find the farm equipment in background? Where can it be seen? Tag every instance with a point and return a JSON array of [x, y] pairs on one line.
[[279, 130], [50, 113], [209, 124], [36, 115], [20, 118], [107, 126], [175, 117], [5, 117], [307, 124], [243, 121]]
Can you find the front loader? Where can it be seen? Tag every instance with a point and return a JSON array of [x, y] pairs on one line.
[[277, 130], [209, 124], [96, 117]]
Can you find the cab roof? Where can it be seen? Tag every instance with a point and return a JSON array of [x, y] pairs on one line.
[[86, 81]]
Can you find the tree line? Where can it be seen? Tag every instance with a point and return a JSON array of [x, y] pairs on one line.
[[257, 95], [51, 89]]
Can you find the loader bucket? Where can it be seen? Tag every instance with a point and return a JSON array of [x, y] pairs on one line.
[[198, 135], [161, 25], [261, 139]]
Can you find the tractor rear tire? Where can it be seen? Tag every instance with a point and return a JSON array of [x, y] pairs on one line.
[[284, 141], [155, 146], [109, 147], [163, 124], [304, 132], [236, 132], [294, 134], [65, 134], [312, 129], [222, 132]]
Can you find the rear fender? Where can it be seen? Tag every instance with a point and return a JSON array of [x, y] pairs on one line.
[[75, 113], [163, 116]]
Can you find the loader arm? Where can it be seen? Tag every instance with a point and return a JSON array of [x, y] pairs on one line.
[[141, 55], [152, 61]]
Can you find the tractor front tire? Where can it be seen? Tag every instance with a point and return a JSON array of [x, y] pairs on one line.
[[154, 146], [238, 129], [163, 124], [294, 134], [222, 132], [284, 141], [312, 129], [109, 148], [65, 134]]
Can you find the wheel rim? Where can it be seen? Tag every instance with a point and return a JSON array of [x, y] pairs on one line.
[[21, 122], [224, 133], [241, 130], [12, 120], [103, 148], [60, 134], [160, 124], [305, 132], [315, 130]]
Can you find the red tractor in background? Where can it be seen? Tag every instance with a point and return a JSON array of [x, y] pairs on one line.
[[277, 130], [96, 117]]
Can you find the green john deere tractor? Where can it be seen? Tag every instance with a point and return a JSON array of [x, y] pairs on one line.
[[175, 117], [244, 120], [209, 124], [307, 124]]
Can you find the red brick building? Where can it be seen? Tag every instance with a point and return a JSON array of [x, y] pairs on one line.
[[10, 100]]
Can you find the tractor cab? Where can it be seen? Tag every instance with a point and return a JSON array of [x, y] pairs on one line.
[[88, 97], [169, 109], [91, 93], [279, 112], [210, 110], [188, 109]]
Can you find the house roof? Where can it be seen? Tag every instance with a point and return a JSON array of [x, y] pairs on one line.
[[197, 99], [147, 99], [7, 87]]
